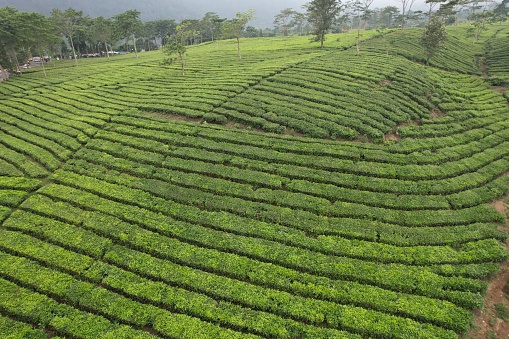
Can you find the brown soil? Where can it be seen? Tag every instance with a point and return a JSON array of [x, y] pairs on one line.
[[486, 323], [485, 320], [150, 330], [501, 206], [293, 133], [392, 136], [500, 90], [385, 82], [436, 113]]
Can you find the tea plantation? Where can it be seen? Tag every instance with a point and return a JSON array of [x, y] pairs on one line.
[[296, 193]]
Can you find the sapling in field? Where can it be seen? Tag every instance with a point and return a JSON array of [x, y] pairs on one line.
[[433, 37], [178, 48]]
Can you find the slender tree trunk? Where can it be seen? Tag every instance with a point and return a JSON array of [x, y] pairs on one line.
[[4, 73], [107, 52], [238, 47], [134, 43], [74, 56], [16, 62], [43, 67], [358, 40]]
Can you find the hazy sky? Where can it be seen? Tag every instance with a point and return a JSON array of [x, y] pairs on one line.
[[178, 9]]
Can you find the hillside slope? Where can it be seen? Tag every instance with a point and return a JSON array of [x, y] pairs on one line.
[[135, 202]]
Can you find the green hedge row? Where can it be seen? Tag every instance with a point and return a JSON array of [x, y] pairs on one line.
[[12, 329], [194, 215], [55, 115], [64, 111], [355, 210], [7, 168], [231, 290], [87, 296], [36, 117], [228, 180], [288, 226], [322, 244], [62, 140], [39, 309], [392, 276], [57, 151], [407, 151], [45, 158], [146, 295], [19, 183], [341, 166], [11, 198], [23, 163]]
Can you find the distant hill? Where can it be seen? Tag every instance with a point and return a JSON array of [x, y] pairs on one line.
[[163, 9]]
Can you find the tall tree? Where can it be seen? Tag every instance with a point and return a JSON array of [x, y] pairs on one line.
[[449, 11], [211, 24], [388, 15], [9, 38], [236, 26], [433, 37], [176, 50], [284, 20], [406, 7], [102, 32], [322, 14], [432, 4], [127, 24], [42, 35], [299, 22], [363, 14], [67, 23], [164, 28], [501, 11]]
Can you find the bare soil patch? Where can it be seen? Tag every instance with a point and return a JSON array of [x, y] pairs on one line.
[[486, 322], [436, 113], [293, 133], [392, 136], [499, 89]]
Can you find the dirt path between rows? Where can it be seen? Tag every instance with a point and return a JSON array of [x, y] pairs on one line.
[[486, 323]]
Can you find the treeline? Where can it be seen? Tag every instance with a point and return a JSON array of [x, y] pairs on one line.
[[71, 34]]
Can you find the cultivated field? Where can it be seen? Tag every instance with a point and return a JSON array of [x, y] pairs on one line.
[[295, 193]]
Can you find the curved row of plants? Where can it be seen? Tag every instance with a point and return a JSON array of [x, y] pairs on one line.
[[497, 58], [97, 224], [135, 226]]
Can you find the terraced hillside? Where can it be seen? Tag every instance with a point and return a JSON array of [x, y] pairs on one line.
[[497, 57], [138, 203]]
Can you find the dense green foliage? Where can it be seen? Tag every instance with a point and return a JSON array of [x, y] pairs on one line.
[[135, 202], [498, 58], [433, 37]]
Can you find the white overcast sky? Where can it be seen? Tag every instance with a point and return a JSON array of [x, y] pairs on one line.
[[179, 9]]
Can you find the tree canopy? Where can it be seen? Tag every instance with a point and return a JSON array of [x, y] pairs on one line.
[[322, 14], [433, 37], [236, 26]]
